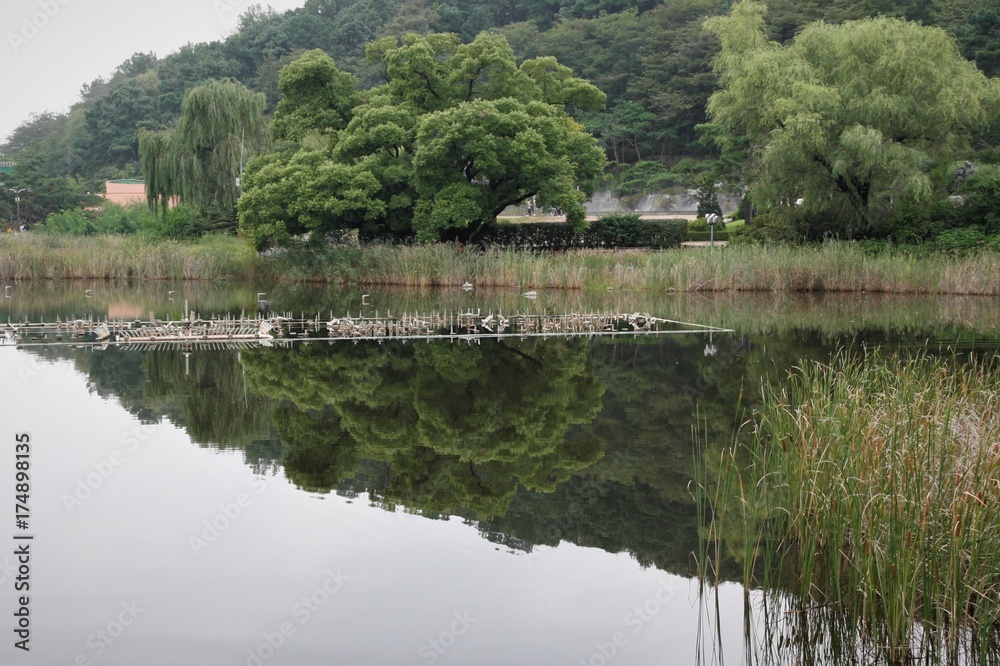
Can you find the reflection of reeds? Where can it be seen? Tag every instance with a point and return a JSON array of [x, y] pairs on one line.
[[866, 508]]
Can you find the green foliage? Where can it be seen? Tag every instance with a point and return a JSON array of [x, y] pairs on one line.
[[961, 240], [178, 223], [854, 118], [645, 177], [980, 194], [977, 31], [76, 222], [221, 127], [651, 60], [456, 134], [476, 159], [621, 231], [318, 97], [110, 127], [708, 200], [709, 235], [745, 209], [306, 193]]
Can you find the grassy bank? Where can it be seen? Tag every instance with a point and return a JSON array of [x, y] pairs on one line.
[[834, 267], [865, 501], [53, 257]]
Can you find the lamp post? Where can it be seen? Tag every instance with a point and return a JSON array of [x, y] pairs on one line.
[[17, 201], [712, 219]]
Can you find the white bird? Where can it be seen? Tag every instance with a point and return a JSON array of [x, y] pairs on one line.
[[6, 291], [363, 297], [88, 293], [530, 294], [467, 286]]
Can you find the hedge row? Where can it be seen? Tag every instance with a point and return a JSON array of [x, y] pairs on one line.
[[707, 235], [615, 232]]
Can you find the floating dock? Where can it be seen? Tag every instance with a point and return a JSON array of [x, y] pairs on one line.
[[231, 332]]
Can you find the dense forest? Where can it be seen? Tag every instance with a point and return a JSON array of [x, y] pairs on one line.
[[653, 60]]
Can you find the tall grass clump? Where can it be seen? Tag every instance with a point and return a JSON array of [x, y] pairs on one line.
[[870, 490], [59, 257], [832, 267]]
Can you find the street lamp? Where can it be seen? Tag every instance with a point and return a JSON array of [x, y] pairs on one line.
[[17, 201], [712, 219]]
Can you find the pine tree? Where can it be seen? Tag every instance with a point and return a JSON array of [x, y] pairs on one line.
[[708, 201]]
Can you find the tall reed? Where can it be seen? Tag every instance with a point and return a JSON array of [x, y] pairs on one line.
[[871, 488], [832, 267], [52, 257]]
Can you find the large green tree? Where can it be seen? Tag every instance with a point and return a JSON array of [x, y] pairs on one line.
[[853, 119], [457, 133], [317, 97]]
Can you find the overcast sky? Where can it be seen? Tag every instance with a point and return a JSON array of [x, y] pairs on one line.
[[50, 48]]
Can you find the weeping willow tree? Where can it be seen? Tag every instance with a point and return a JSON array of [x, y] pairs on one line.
[[200, 161], [857, 120]]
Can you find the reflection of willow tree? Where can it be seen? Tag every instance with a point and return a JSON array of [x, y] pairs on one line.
[[208, 395], [119, 373], [461, 427]]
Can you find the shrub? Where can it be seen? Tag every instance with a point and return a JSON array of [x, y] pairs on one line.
[[178, 223], [111, 220], [618, 230], [980, 193], [707, 235], [961, 240], [621, 231]]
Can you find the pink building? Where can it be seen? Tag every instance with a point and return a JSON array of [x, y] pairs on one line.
[[125, 192]]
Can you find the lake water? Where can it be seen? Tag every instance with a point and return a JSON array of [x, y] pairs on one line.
[[511, 501]]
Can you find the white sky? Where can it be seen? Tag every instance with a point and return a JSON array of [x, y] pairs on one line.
[[50, 48]]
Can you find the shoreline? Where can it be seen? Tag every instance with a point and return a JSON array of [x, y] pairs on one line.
[[832, 267]]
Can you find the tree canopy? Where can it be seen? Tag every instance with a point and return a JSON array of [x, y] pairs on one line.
[[851, 119], [652, 60], [457, 133], [317, 97], [200, 161]]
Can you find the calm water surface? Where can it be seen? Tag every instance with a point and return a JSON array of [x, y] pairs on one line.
[[509, 502]]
